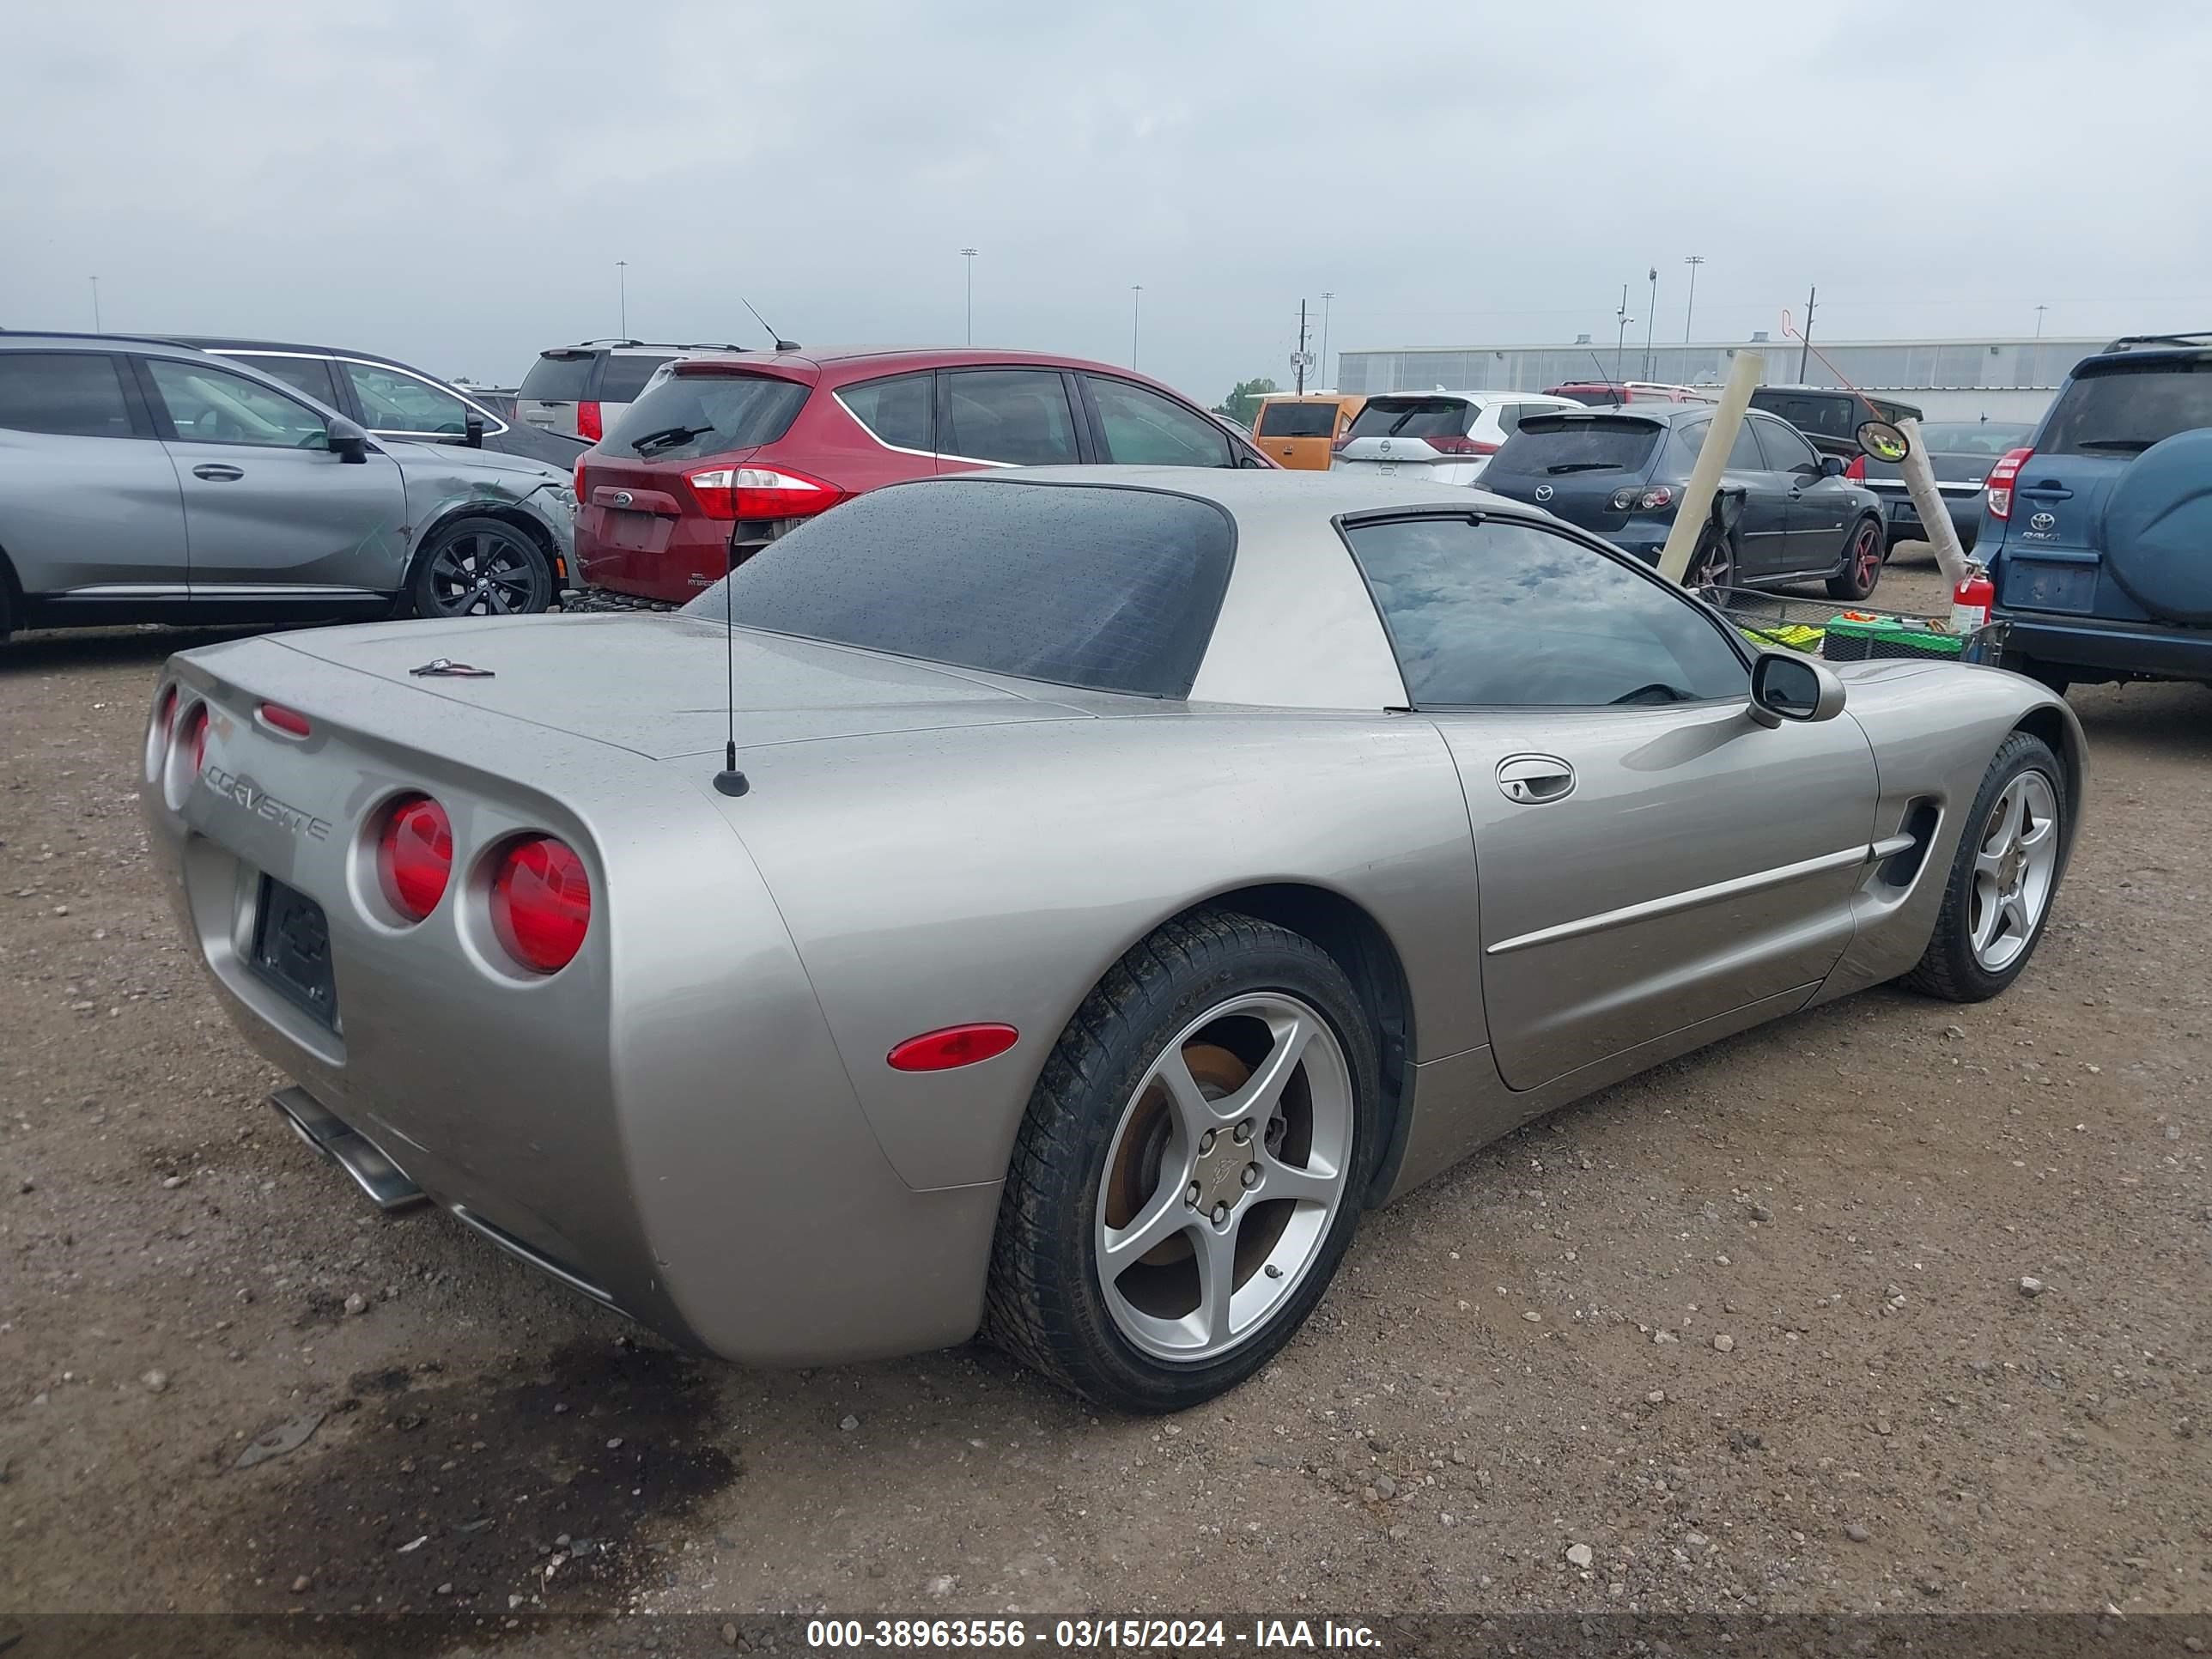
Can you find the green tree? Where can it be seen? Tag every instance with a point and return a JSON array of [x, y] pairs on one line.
[[1242, 402]]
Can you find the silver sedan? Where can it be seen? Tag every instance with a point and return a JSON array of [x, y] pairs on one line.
[[1060, 903]]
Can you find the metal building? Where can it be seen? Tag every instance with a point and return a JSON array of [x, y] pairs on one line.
[[1949, 379]]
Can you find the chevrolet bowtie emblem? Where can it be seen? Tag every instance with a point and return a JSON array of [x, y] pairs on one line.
[[446, 668]]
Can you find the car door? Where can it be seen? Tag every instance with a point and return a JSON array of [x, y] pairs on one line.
[[1763, 533], [89, 502], [1648, 856], [1005, 418], [1136, 426], [269, 510], [1819, 508]]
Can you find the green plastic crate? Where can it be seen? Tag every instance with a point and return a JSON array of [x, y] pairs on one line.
[[1847, 639]]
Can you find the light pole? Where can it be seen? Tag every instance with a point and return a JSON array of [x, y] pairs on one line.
[[2039, 310], [968, 256], [1621, 339], [1325, 298], [96, 304], [621, 294], [1136, 299], [1651, 312], [1690, 305]]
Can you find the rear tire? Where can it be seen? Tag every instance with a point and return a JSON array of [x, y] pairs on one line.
[[480, 566], [1223, 1057], [1862, 564], [2003, 879]]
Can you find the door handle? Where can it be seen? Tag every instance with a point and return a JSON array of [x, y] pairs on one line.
[[218, 472], [1796, 495], [2047, 492], [1534, 780]]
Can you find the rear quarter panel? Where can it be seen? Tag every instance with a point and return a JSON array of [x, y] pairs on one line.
[[995, 874]]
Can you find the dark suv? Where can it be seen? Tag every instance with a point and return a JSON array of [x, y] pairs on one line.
[[1829, 415], [2099, 532]]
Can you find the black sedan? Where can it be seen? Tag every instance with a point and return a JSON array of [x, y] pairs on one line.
[[1623, 472], [1962, 453]]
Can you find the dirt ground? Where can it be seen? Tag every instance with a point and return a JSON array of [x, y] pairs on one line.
[[1751, 1328]]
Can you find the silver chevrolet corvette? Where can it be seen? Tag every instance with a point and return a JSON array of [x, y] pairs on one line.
[[1058, 904]]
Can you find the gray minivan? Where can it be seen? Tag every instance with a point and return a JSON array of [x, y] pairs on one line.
[[579, 391]]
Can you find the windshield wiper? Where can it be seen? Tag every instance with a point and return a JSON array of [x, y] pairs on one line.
[[2137, 445], [668, 435], [1584, 466]]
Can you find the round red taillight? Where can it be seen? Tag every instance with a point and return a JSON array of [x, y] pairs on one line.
[[541, 903], [195, 737], [414, 855]]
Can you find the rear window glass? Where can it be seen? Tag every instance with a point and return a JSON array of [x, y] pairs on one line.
[[70, 394], [557, 379], [1111, 589], [1832, 417], [1989, 438], [624, 377], [688, 416], [2124, 408], [1414, 417], [1565, 443], [1297, 421]]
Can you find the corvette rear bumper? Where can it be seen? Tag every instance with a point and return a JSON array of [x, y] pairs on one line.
[[665, 1125]]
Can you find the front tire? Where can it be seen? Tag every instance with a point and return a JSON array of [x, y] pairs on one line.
[[481, 566], [1711, 569], [2003, 878], [1862, 565], [1191, 1169]]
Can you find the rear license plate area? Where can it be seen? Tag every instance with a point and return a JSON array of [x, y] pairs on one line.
[[633, 532], [292, 951], [2040, 584]]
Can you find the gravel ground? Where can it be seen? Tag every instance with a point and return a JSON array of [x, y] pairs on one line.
[[1750, 1332]]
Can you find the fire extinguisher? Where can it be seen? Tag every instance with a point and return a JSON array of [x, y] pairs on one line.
[[1971, 600]]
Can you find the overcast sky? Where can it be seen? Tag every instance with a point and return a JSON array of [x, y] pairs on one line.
[[454, 183]]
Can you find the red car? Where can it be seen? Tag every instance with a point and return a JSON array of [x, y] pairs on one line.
[[725, 453]]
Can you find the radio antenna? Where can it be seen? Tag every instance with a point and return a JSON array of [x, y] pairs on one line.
[[782, 344], [729, 780]]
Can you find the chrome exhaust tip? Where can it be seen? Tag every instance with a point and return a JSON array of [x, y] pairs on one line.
[[386, 1184]]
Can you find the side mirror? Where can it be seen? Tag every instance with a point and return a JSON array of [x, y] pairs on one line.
[[347, 441], [1882, 441], [1831, 466], [1788, 686], [472, 430]]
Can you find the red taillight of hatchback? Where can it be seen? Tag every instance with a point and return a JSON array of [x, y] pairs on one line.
[[1446, 445], [414, 855], [2000, 482], [760, 492], [541, 903], [588, 424], [1856, 470]]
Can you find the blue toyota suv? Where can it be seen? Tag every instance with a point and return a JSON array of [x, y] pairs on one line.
[[2098, 533]]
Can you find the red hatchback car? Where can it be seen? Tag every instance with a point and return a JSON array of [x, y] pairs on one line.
[[724, 454]]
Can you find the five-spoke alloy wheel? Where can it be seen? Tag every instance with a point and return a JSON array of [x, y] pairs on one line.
[[2012, 853], [1192, 1166]]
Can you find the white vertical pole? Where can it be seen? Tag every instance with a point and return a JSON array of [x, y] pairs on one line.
[[1744, 373], [1928, 501]]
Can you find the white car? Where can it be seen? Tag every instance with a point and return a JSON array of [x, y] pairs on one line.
[[1438, 437]]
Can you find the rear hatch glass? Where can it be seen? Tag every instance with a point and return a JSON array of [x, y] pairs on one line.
[[2122, 407], [1297, 421], [1414, 417], [1550, 446], [689, 416], [557, 378]]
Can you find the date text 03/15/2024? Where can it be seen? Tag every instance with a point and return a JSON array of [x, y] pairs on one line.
[[1090, 1635]]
